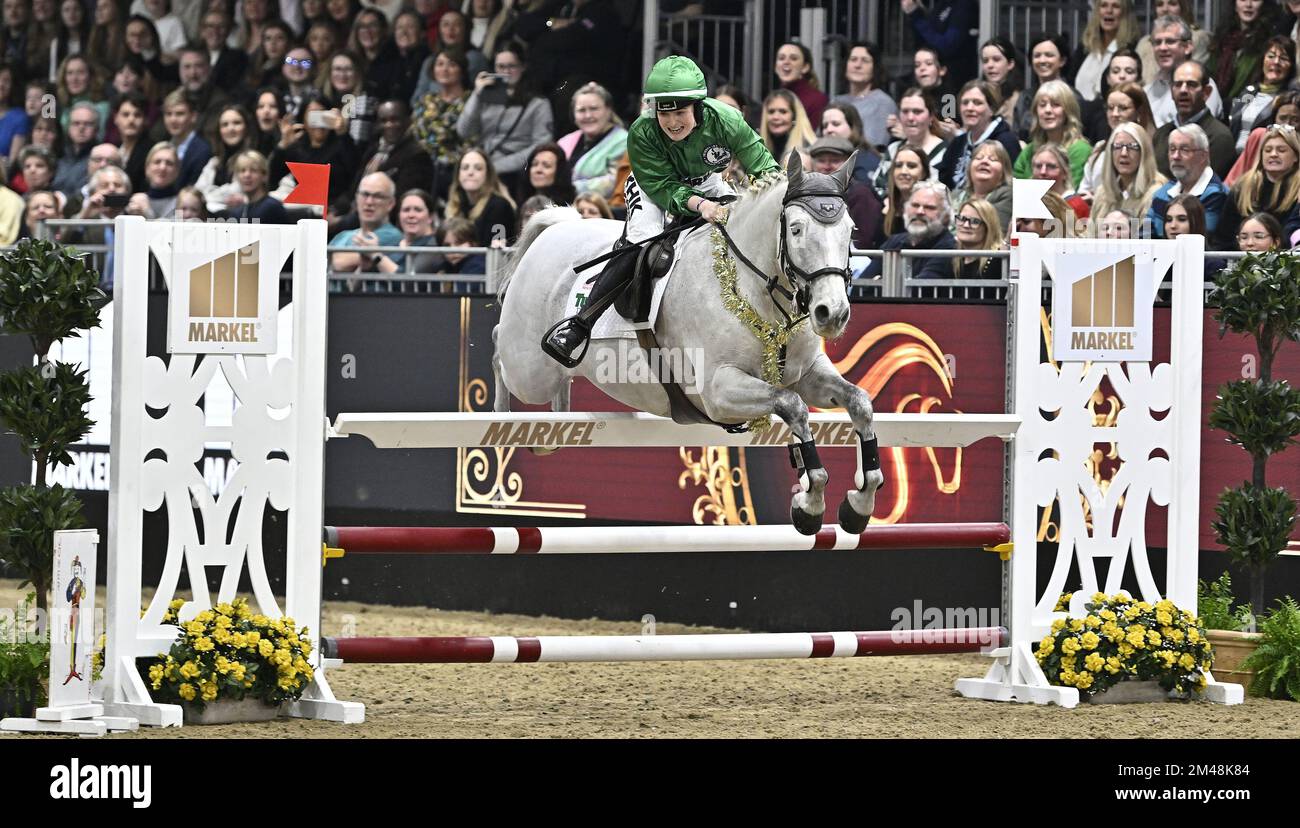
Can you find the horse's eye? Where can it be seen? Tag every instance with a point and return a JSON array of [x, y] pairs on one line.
[[797, 230]]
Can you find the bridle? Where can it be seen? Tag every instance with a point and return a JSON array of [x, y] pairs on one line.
[[821, 197]]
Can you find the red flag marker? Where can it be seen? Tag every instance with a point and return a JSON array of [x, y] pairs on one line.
[[313, 184]]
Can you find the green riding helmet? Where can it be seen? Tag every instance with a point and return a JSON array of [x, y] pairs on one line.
[[675, 82]]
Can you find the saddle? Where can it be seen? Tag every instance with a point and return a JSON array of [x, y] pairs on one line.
[[653, 262]]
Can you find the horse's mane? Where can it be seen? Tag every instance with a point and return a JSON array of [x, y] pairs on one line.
[[758, 191]]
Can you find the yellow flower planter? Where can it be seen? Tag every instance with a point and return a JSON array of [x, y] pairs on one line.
[[1231, 648]]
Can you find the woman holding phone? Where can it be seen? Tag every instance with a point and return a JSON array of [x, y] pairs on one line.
[[320, 137], [505, 113]]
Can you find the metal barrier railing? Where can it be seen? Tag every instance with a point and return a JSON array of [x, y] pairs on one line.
[[895, 280], [408, 280]]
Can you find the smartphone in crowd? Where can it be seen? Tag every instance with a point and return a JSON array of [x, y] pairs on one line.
[[319, 119]]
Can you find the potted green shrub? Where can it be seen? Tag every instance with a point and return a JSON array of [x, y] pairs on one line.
[[1258, 296], [1276, 660], [47, 293], [1230, 627], [24, 665]]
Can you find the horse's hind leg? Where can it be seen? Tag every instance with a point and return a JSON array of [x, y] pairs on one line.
[[561, 401], [501, 400], [561, 404], [823, 387], [734, 395]]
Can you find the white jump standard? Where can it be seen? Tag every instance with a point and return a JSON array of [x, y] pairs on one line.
[[282, 456]]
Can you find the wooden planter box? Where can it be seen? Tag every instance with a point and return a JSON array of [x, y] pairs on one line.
[[227, 712], [1131, 692], [1231, 648]]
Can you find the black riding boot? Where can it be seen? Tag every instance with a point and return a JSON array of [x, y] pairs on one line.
[[569, 334]]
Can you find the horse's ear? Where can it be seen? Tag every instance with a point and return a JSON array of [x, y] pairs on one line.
[[794, 166], [845, 172]]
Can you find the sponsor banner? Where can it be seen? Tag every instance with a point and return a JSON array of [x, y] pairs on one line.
[[225, 281], [1102, 306]]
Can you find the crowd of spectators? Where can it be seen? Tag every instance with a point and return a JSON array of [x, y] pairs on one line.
[[1181, 126], [449, 122]]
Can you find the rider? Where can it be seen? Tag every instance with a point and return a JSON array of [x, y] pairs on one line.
[[677, 154]]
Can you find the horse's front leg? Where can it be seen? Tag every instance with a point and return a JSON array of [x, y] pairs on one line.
[[823, 387], [735, 396]]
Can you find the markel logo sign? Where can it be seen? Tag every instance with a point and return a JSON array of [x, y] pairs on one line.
[[225, 289], [1103, 314]]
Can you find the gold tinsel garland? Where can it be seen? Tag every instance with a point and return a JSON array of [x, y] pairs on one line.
[[771, 336]]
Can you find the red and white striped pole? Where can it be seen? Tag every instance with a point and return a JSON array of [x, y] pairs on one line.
[[476, 540], [591, 648]]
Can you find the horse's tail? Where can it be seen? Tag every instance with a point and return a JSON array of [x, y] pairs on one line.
[[533, 229]]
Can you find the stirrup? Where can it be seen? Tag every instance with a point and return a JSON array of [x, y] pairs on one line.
[[567, 360]]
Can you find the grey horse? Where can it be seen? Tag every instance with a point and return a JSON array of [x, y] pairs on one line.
[[753, 344]]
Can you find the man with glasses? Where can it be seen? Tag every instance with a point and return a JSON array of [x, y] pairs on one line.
[[1189, 161], [109, 180], [1191, 84], [375, 196], [1171, 41], [72, 173], [101, 156], [928, 218], [228, 66]]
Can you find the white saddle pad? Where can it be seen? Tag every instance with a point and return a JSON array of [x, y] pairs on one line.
[[611, 325]]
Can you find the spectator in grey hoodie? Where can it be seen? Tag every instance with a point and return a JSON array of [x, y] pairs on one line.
[[505, 115]]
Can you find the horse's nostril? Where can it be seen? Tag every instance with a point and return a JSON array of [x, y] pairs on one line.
[[821, 313]]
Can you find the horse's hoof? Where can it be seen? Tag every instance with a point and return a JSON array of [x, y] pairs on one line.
[[542, 452], [805, 522], [850, 520]]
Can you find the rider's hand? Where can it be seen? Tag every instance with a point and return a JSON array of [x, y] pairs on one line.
[[711, 211]]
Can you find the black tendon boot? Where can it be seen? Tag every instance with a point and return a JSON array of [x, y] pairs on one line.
[[567, 335]]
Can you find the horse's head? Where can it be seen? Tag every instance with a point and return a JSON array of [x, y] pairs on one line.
[[816, 232]]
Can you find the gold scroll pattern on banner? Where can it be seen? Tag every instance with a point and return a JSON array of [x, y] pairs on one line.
[[915, 348]]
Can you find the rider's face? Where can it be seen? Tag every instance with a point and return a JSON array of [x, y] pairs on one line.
[[677, 123]]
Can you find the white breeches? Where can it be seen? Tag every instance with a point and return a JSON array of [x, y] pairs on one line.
[[646, 219]]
